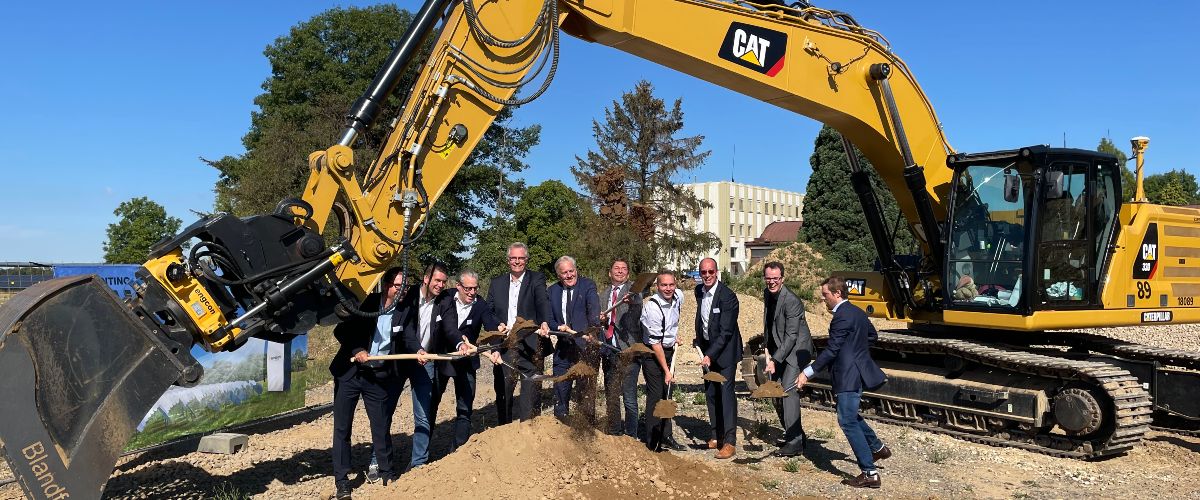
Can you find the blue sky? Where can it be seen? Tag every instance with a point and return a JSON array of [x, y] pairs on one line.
[[108, 101]]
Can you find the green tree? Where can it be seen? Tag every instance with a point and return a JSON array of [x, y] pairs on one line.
[[550, 216], [630, 177], [318, 70], [834, 223], [1127, 177], [1176, 187], [140, 224]]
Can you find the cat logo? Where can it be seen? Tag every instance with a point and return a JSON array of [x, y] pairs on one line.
[[756, 48], [856, 286], [1149, 251], [1147, 260]]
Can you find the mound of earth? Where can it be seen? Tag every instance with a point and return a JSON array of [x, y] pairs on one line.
[[544, 458]]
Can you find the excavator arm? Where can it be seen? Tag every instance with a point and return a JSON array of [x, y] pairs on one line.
[[81, 368]]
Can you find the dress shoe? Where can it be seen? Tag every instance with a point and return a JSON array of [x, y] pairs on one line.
[[863, 481], [673, 445], [713, 444], [343, 490], [389, 478], [883, 453], [793, 448], [727, 451]]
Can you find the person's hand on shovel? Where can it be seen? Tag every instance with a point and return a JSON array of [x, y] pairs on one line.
[[360, 357], [668, 376], [544, 330], [801, 380], [706, 362], [494, 356], [466, 348], [421, 357], [770, 369]]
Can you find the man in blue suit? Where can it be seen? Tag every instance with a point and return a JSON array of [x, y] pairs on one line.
[[520, 293], [456, 328], [849, 357], [574, 305]]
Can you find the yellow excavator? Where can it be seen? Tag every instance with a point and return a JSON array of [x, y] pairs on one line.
[[1017, 246]]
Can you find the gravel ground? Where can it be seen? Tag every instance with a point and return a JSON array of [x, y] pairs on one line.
[[294, 462]]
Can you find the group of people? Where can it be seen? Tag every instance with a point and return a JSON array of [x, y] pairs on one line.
[[592, 326]]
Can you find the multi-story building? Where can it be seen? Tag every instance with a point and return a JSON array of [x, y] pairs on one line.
[[739, 214]]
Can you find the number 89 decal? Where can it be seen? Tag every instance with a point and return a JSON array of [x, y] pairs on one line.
[[1144, 291]]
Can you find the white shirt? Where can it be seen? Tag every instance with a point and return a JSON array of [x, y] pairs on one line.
[[381, 342], [464, 310], [706, 306], [662, 327], [425, 312], [514, 291]]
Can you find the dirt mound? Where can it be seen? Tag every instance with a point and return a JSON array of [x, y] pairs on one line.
[[768, 389], [577, 370], [543, 458]]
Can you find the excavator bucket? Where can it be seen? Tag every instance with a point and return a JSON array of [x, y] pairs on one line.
[[79, 370]]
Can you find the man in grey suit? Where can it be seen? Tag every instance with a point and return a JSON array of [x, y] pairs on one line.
[[789, 349], [621, 329]]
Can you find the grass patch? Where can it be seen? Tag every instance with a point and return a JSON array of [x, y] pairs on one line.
[[226, 491], [698, 398], [770, 484], [939, 455], [792, 465], [822, 434]]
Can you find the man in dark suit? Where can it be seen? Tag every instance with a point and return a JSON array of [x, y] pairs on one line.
[[848, 356], [622, 328], [378, 383], [457, 327], [415, 317], [790, 347], [575, 306], [718, 337], [520, 293]]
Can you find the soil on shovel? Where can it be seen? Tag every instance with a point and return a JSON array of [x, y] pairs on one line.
[[638, 349], [716, 377], [769, 389], [665, 408], [577, 370], [528, 459]]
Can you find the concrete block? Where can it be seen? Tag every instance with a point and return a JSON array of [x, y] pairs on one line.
[[226, 443]]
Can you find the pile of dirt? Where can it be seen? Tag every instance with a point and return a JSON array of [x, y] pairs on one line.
[[768, 389], [577, 370], [544, 458]]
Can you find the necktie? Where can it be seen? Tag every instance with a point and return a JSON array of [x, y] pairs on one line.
[[608, 334], [567, 304]]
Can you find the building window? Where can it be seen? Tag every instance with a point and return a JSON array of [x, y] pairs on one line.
[[733, 252], [731, 229]]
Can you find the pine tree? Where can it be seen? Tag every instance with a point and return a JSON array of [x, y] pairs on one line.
[[834, 224], [630, 178], [1127, 176]]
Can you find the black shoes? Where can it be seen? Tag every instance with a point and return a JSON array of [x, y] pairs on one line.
[[673, 445], [864, 481], [883, 453], [343, 491], [390, 478], [793, 448]]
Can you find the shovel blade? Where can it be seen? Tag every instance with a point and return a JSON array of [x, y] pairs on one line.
[[80, 370]]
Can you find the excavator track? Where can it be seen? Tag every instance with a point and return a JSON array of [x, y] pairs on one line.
[[1127, 410]]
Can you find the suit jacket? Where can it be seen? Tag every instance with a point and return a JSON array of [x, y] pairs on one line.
[[354, 335], [447, 333], [848, 354], [532, 304], [582, 312], [626, 327], [789, 340], [724, 344], [407, 319]]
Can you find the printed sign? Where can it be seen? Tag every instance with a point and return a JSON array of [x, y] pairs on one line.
[[1147, 257], [856, 286]]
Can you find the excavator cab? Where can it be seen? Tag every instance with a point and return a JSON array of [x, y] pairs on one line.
[[1030, 229]]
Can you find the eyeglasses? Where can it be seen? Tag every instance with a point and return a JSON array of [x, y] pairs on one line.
[[707, 272], [768, 278], [518, 258], [395, 285]]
